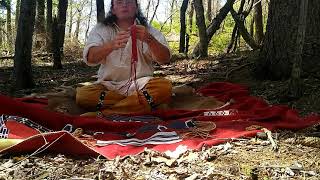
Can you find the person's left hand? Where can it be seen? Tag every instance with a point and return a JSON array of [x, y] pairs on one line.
[[142, 33]]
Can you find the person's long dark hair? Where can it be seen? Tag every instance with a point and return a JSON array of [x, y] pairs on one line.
[[111, 18]]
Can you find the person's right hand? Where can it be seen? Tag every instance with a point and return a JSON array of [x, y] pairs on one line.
[[120, 40]]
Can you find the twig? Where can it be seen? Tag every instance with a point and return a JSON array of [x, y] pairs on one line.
[[270, 138]]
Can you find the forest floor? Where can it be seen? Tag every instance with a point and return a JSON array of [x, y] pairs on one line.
[[298, 156]]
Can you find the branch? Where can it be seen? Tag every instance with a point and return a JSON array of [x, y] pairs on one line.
[[34, 55], [244, 33]]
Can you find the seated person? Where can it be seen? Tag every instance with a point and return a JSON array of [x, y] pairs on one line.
[[110, 45]]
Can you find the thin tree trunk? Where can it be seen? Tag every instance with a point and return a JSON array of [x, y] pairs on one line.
[[89, 20], [295, 88], [154, 12], [233, 42], [243, 30], [209, 10], [17, 13], [183, 10], [203, 48], [40, 20], [148, 9], [49, 26], [100, 10], [1, 33], [77, 31], [22, 59], [59, 26], [171, 12], [258, 21], [233, 39], [215, 24], [70, 18], [9, 27], [191, 11], [40, 36], [251, 31]]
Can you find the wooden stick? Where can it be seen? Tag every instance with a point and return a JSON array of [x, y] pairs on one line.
[[273, 143]]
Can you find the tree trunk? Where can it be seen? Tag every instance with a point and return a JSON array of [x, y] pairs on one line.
[[215, 24], [243, 31], [40, 21], [70, 18], [17, 13], [49, 26], [183, 10], [203, 47], [258, 21], [280, 41], [100, 10], [235, 31], [295, 89], [191, 16], [209, 10], [89, 20], [9, 27], [1, 33], [251, 31], [77, 31], [40, 30], [171, 12], [58, 33], [311, 58], [22, 59]]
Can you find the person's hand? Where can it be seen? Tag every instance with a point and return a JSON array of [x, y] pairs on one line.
[[143, 33], [120, 40]]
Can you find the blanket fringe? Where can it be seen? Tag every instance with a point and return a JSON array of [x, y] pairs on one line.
[[201, 130]]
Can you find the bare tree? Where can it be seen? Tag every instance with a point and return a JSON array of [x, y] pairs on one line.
[[100, 10], [70, 18], [183, 10], [203, 47], [49, 26], [190, 13], [9, 27], [79, 7], [40, 29], [258, 21], [215, 24], [171, 13], [58, 33], [40, 20], [148, 9], [235, 32], [154, 11], [89, 20], [22, 60]]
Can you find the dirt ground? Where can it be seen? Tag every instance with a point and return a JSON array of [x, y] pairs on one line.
[[298, 156]]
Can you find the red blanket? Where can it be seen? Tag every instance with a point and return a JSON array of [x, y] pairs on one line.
[[246, 111]]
